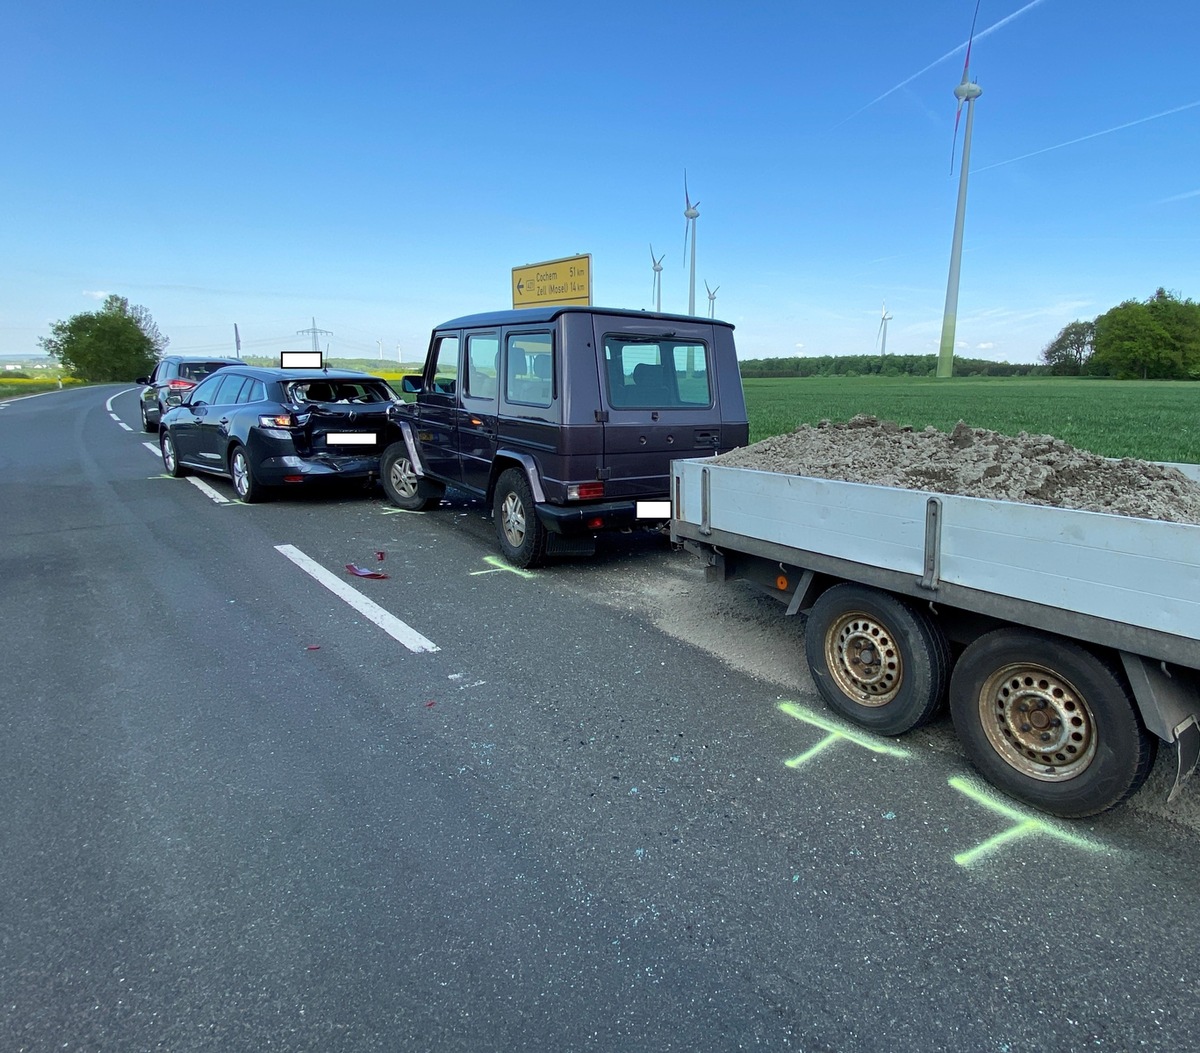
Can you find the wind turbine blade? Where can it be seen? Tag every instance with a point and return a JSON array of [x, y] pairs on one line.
[[970, 40], [686, 200], [954, 141]]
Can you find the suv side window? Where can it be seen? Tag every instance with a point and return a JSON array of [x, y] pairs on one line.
[[483, 365], [652, 374], [529, 376], [445, 367]]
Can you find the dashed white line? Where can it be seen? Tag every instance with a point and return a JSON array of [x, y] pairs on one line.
[[153, 449], [369, 609]]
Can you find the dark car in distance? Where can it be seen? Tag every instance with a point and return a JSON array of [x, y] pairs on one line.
[[266, 427], [173, 377]]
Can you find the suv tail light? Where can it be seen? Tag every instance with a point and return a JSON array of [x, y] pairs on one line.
[[277, 420], [584, 491], [180, 385]]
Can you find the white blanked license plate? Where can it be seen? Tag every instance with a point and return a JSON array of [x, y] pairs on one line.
[[654, 510], [350, 438]]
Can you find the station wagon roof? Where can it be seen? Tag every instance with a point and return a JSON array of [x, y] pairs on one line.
[[536, 315], [278, 373]]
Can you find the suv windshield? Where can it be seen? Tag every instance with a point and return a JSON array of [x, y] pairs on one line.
[[346, 391], [656, 374]]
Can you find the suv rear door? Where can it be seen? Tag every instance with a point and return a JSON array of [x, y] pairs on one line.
[[659, 389]]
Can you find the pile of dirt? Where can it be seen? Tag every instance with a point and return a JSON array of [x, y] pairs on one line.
[[975, 462]]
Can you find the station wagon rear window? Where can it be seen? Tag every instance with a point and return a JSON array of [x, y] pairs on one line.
[[656, 374], [359, 392]]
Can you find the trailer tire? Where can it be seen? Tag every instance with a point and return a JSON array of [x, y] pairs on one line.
[[1049, 722], [876, 659]]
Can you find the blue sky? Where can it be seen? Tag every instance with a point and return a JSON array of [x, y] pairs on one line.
[[383, 167]]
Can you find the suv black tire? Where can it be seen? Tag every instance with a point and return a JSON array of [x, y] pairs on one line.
[[521, 534]]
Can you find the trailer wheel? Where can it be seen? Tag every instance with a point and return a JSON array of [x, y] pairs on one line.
[[877, 660], [1049, 722]]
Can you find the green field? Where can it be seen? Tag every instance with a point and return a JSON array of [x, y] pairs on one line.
[[1154, 420]]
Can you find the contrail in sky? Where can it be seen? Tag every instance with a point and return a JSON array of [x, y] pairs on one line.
[[1094, 135], [949, 54]]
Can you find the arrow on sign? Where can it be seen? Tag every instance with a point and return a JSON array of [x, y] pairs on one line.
[[520, 287]]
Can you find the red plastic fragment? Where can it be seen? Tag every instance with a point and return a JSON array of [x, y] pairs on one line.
[[430, 704], [381, 556], [362, 572], [313, 647]]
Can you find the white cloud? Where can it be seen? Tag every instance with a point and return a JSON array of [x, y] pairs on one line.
[[988, 346], [95, 294]]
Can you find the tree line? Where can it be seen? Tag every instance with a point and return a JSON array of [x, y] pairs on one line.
[[1153, 339], [881, 365]]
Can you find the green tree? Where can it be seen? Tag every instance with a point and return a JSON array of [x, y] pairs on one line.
[[118, 342], [1153, 339], [1068, 353]]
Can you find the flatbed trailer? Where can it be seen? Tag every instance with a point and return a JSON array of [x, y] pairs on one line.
[[1067, 642]]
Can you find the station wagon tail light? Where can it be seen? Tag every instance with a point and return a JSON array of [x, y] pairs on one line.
[[277, 420], [584, 491], [180, 385]]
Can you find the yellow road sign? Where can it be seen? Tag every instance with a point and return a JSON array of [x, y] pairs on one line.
[[566, 281]]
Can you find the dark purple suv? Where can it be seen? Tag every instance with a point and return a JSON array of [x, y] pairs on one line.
[[565, 419]]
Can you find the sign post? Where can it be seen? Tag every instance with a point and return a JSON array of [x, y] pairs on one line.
[[565, 281]]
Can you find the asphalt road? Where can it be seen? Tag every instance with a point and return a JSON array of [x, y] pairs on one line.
[[239, 815]]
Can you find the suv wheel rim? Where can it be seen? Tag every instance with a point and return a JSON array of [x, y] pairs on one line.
[[241, 474], [512, 514], [168, 452]]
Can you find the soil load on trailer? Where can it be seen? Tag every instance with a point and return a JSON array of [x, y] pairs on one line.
[[976, 462]]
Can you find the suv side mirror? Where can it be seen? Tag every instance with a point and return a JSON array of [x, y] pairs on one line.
[[411, 384], [142, 380]]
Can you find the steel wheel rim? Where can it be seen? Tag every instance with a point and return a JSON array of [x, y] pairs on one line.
[[512, 519], [168, 450], [241, 474], [403, 477], [1038, 722], [863, 659]]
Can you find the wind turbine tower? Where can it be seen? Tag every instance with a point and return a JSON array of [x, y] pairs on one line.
[[967, 91], [656, 289], [882, 334], [712, 300], [691, 213]]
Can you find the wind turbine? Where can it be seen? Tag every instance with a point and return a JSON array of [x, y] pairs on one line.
[[656, 288], [712, 300], [690, 213], [884, 318], [967, 91]]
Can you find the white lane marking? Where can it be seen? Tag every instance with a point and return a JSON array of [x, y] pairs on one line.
[[22, 398], [122, 424], [153, 449], [109, 401], [387, 621], [207, 490]]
